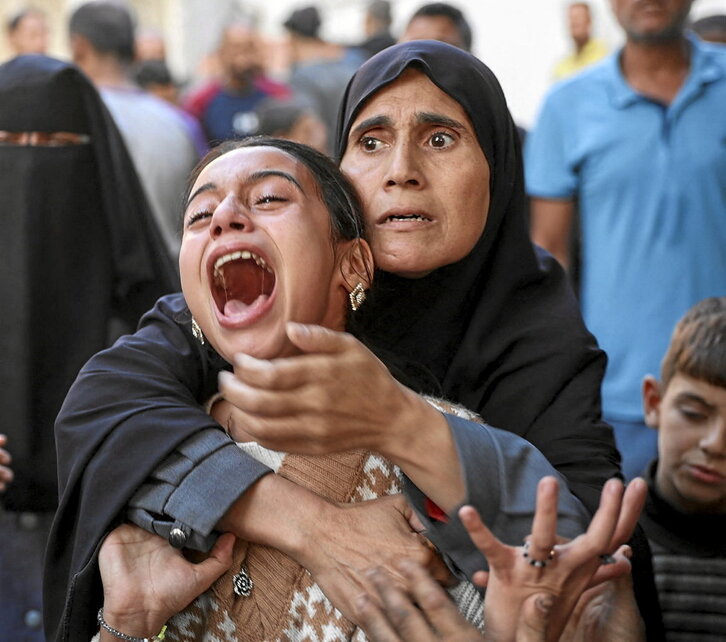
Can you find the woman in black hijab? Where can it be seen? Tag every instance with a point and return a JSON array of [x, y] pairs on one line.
[[82, 260], [504, 335]]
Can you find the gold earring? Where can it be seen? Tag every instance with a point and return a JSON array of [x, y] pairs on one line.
[[357, 296], [197, 331]]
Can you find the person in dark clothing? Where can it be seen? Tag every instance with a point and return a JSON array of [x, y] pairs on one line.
[[491, 318], [377, 28], [82, 261]]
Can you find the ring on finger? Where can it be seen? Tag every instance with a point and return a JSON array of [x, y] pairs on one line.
[[535, 562]]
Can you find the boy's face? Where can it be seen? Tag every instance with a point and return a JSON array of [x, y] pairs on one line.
[[690, 416]]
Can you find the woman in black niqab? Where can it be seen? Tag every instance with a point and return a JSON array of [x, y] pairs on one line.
[[82, 260], [499, 329]]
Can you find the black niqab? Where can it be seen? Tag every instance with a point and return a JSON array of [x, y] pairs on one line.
[[81, 257], [499, 329]]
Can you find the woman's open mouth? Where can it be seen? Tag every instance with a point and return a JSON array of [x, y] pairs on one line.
[[242, 283]]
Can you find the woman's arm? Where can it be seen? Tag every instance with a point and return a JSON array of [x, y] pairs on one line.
[[338, 396]]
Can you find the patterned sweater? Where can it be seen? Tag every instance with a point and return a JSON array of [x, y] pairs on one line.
[[285, 604]]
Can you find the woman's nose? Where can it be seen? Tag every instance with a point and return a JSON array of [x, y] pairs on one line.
[[230, 215], [405, 167]]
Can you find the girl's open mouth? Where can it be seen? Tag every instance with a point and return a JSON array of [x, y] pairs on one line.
[[242, 282]]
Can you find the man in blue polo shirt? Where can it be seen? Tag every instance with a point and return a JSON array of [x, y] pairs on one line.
[[638, 143]]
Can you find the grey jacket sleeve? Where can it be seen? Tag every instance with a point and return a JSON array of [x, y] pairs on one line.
[[501, 472], [193, 488]]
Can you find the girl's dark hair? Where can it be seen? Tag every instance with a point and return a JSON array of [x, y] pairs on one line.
[[335, 190]]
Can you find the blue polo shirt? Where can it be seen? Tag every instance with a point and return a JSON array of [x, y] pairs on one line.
[[650, 182]]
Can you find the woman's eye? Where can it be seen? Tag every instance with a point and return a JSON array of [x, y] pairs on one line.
[[197, 216], [441, 140], [370, 144]]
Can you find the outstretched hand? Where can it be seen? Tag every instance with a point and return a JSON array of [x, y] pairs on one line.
[[585, 585], [335, 396], [6, 473], [146, 581], [567, 570]]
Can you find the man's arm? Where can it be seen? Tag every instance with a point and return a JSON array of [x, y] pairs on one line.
[[550, 226]]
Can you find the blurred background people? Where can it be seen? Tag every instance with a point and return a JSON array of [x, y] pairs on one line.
[[319, 70], [711, 28], [160, 141], [637, 142], [153, 75], [82, 260], [293, 120], [377, 28], [586, 49], [27, 31], [149, 44], [439, 21], [226, 107]]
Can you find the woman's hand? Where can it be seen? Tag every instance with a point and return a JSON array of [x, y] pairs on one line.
[[359, 535], [6, 473], [146, 581], [524, 602], [568, 571], [338, 396]]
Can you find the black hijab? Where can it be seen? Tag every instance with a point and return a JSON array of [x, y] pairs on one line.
[[499, 329], [81, 256]]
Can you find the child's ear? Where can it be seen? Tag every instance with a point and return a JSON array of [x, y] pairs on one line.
[[356, 265], [651, 401]]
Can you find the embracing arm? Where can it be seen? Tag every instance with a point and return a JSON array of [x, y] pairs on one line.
[[501, 471]]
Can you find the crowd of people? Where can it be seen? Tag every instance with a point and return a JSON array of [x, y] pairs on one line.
[[347, 354]]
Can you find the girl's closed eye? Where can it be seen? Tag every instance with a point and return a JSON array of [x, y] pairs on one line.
[[197, 216], [270, 198]]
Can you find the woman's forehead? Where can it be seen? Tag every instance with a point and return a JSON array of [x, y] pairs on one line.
[[412, 96], [252, 159]]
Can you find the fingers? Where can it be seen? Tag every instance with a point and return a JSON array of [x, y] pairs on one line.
[[402, 614], [435, 603], [632, 505], [6, 476], [315, 338], [619, 566], [219, 560], [268, 403], [481, 536], [544, 526], [374, 621], [602, 527]]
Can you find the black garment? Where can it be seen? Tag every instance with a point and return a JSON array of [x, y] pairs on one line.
[[500, 329], [693, 534], [79, 248]]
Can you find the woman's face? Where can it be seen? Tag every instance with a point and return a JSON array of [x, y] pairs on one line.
[[413, 155], [256, 253]]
